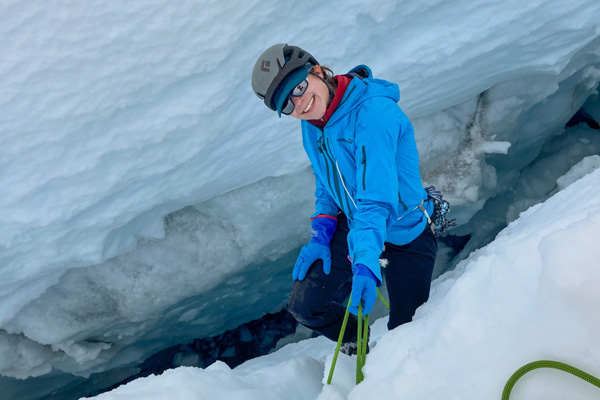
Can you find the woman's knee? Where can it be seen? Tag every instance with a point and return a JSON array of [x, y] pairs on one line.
[[298, 304], [302, 305]]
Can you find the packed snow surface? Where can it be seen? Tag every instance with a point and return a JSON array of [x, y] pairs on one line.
[[531, 294], [145, 189]]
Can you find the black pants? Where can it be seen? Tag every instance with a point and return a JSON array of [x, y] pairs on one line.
[[316, 301]]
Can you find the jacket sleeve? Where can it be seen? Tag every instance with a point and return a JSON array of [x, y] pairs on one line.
[[378, 127], [324, 203]]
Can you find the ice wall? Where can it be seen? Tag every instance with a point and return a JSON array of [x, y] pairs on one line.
[[114, 118]]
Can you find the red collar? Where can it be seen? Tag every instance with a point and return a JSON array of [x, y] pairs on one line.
[[342, 84]]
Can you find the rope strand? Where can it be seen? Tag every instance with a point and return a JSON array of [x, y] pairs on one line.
[[546, 364]]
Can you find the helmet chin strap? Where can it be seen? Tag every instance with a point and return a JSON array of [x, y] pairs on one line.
[[331, 93]]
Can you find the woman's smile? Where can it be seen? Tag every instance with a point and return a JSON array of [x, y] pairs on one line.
[[309, 106]]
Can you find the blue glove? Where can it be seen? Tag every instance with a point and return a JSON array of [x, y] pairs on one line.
[[364, 289], [323, 228]]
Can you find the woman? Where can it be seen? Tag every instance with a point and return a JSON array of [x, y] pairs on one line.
[[370, 202]]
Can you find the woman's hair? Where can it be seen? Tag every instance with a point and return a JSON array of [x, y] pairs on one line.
[[328, 76]]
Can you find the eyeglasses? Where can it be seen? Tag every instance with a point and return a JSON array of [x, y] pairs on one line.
[[288, 105]]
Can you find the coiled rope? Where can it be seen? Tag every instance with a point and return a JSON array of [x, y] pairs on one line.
[[546, 364]]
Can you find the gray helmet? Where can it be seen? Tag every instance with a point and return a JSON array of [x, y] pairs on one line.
[[273, 66]]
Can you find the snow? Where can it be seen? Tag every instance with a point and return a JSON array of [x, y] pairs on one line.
[[530, 294], [219, 382], [148, 198]]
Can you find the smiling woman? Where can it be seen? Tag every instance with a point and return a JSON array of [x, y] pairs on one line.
[[370, 202], [300, 82], [313, 101]]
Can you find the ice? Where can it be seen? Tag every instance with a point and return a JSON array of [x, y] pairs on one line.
[[175, 290], [148, 198], [587, 165], [534, 184], [530, 294], [22, 357], [592, 106]]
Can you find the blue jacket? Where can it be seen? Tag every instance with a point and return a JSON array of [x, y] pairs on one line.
[[366, 164]]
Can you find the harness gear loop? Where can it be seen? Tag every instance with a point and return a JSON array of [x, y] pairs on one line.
[[429, 221], [438, 222]]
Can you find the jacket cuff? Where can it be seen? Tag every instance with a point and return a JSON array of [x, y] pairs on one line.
[[323, 228], [370, 261], [323, 216]]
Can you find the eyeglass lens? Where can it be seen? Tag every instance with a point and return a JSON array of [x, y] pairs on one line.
[[298, 91]]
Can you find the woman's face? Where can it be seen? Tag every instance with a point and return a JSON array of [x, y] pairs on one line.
[[313, 103]]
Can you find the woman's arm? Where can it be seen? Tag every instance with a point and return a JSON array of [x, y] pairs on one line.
[[377, 130]]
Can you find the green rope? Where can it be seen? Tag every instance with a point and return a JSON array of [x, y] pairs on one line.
[[361, 356], [380, 296], [339, 343], [359, 345], [546, 364], [361, 340]]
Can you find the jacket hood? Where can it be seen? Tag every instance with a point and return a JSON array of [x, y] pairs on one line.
[[363, 87]]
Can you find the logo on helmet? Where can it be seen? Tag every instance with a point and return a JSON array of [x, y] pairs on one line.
[[266, 66]]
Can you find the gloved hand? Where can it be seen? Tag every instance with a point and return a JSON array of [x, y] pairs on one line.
[[364, 289], [323, 228]]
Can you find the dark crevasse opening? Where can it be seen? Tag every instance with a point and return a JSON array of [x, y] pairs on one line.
[[233, 347], [582, 116]]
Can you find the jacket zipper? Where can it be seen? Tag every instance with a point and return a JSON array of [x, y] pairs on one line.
[[364, 162], [348, 195], [329, 159], [343, 181], [347, 96], [401, 202], [336, 179], [321, 148]]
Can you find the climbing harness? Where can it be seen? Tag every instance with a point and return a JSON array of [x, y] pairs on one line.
[[546, 364], [438, 222], [362, 340]]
